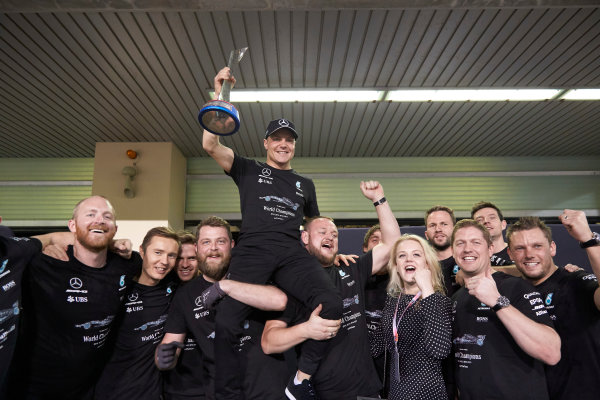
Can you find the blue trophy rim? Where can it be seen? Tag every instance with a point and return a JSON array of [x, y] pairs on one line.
[[214, 107]]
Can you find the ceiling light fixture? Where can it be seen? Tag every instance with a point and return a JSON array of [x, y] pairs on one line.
[[408, 95], [305, 96], [472, 95], [581, 94]]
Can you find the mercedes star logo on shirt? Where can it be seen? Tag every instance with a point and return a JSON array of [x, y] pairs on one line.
[[76, 283]]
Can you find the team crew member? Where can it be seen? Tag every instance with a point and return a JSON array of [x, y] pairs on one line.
[[375, 290], [571, 298], [15, 253], [439, 222], [375, 294], [274, 199], [130, 372], [188, 379], [347, 371], [490, 216], [264, 376], [70, 307], [501, 335], [187, 260]]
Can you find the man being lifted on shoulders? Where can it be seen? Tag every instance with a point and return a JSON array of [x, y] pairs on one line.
[[274, 199]]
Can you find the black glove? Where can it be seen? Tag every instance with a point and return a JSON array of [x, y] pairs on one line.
[[212, 295], [165, 354]]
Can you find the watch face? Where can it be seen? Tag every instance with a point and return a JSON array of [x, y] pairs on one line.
[[503, 302], [594, 241]]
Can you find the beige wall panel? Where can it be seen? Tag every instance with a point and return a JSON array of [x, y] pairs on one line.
[[159, 183]]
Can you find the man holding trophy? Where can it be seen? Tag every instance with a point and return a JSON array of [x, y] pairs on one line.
[[274, 200]]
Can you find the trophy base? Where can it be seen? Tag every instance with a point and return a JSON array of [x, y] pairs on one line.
[[219, 117]]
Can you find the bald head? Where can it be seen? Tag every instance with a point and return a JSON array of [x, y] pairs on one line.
[[93, 199]]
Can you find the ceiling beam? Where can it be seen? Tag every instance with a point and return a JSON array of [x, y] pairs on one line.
[[24, 6]]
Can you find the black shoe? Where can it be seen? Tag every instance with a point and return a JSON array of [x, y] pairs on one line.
[[303, 391]]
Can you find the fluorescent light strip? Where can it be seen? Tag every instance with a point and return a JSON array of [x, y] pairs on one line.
[[582, 94], [409, 95], [303, 96], [473, 95]]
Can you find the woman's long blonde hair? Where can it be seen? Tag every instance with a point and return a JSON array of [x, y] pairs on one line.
[[396, 285]]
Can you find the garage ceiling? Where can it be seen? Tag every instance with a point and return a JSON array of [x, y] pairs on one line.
[[73, 73]]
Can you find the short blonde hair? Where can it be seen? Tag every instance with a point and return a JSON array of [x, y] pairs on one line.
[[396, 285]]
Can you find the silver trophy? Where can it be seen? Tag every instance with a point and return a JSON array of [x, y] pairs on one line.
[[219, 116]]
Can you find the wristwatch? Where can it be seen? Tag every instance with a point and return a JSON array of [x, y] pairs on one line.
[[380, 201], [594, 241], [501, 303]]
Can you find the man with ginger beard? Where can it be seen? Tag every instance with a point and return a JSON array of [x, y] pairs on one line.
[[347, 370], [265, 376], [70, 307]]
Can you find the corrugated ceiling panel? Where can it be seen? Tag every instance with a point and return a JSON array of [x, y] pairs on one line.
[[71, 79]]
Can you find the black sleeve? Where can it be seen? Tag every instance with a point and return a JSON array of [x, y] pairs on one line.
[[586, 285], [311, 208], [365, 266], [237, 168], [176, 319]]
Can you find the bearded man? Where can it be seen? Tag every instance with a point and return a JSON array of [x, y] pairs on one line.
[[347, 370], [264, 377], [70, 307]]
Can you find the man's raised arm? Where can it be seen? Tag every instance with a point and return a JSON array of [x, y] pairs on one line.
[[390, 231], [577, 225]]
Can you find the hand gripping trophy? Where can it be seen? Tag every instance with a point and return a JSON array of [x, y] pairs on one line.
[[219, 116]]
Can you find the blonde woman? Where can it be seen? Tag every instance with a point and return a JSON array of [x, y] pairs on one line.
[[416, 326]]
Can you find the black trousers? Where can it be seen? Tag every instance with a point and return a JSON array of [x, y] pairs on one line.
[[296, 272]]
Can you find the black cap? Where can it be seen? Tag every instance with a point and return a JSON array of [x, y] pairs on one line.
[[281, 123]]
